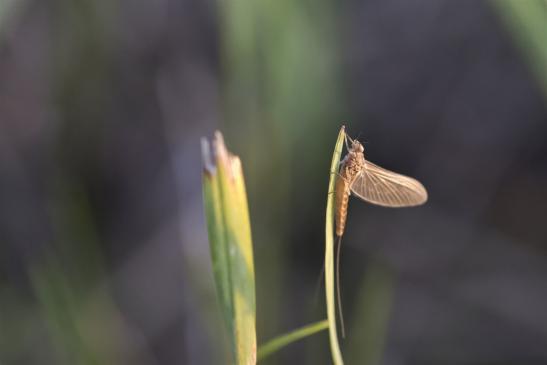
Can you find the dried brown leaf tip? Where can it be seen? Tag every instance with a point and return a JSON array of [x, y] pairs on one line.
[[209, 167], [216, 155]]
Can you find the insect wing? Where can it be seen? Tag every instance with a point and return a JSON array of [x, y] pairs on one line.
[[377, 185]]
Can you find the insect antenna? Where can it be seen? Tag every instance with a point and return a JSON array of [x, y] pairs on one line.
[[359, 135], [339, 296]]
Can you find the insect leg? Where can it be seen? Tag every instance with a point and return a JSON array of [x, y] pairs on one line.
[[346, 141]]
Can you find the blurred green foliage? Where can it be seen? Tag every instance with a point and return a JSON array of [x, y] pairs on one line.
[[369, 327], [527, 23], [5, 7], [281, 92], [282, 96], [83, 330]]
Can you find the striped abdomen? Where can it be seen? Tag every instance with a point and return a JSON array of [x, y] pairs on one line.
[[342, 192]]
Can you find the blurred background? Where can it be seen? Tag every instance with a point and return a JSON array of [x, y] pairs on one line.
[[104, 257]]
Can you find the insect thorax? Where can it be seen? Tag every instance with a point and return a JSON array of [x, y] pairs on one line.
[[353, 164]]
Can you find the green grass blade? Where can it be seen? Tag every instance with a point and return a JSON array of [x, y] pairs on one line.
[[279, 342], [329, 252], [218, 245], [229, 230]]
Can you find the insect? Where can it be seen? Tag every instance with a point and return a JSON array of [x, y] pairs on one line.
[[373, 184]]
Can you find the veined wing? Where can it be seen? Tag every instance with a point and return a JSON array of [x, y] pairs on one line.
[[379, 186]]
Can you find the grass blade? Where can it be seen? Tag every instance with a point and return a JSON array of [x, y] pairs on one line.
[[281, 341], [229, 230], [329, 252]]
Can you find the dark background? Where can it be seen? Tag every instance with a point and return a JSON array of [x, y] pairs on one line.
[[104, 256]]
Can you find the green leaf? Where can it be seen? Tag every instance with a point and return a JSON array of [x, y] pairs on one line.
[[329, 252], [279, 342], [228, 224]]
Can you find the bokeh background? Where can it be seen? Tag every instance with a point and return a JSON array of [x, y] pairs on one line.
[[104, 255]]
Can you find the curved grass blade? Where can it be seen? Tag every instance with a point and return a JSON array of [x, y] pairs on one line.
[[278, 343], [329, 252], [229, 230]]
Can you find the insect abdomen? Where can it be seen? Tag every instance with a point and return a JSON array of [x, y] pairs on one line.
[[341, 201]]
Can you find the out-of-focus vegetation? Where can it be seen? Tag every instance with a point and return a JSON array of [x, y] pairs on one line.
[[281, 85], [369, 328], [5, 7], [527, 24], [103, 248]]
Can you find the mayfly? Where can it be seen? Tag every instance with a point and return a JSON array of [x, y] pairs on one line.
[[373, 184]]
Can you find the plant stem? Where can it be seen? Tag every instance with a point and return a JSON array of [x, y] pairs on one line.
[[279, 342], [329, 253]]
